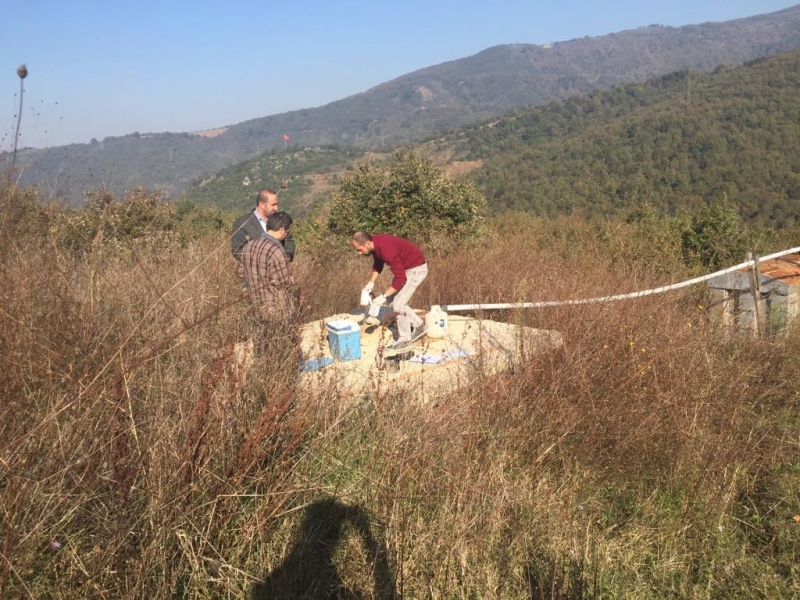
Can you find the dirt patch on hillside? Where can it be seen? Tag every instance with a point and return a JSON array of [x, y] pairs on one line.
[[462, 167], [321, 183], [442, 156], [210, 132]]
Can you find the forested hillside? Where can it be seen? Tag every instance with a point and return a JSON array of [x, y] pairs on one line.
[[304, 174], [679, 141], [413, 106]]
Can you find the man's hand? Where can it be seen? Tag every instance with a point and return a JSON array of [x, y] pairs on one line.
[[380, 300], [366, 294], [365, 298]]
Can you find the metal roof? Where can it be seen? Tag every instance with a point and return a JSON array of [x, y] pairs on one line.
[[778, 274], [785, 269]]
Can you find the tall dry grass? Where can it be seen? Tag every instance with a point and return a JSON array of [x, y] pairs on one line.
[[652, 456]]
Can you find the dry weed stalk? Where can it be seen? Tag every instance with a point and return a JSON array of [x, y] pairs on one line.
[[8, 505], [124, 464], [269, 441], [22, 73], [196, 442]]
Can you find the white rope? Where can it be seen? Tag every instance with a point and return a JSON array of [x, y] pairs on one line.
[[658, 290]]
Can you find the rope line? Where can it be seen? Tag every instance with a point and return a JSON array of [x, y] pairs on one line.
[[659, 290]]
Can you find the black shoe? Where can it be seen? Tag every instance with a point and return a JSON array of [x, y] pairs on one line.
[[399, 345]]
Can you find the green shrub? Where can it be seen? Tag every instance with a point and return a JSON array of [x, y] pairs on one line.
[[717, 237], [412, 198], [105, 222], [23, 223], [196, 222], [142, 216]]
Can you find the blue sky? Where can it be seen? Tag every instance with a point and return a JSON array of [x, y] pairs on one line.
[[101, 69]]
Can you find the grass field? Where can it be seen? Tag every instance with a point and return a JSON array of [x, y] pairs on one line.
[[653, 456]]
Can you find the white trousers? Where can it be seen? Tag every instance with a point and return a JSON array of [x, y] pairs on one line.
[[406, 317]]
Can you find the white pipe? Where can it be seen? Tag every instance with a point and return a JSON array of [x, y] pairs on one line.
[[658, 290]]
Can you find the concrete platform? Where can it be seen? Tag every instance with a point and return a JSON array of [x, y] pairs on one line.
[[471, 348]]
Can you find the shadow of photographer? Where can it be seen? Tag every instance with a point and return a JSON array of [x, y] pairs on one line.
[[309, 570]]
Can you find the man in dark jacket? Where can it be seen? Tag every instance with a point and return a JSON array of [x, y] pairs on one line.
[[253, 225]]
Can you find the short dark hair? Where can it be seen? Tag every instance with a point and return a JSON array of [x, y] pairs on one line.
[[362, 237], [279, 220], [264, 194]]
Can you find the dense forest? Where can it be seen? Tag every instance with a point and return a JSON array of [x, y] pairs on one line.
[[677, 142]]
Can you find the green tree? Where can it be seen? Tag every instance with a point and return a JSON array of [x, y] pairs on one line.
[[195, 222], [718, 237], [142, 215], [412, 198]]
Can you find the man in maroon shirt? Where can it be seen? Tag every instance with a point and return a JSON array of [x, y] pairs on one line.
[[409, 269]]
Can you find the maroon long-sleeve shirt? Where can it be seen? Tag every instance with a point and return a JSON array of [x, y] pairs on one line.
[[400, 254]]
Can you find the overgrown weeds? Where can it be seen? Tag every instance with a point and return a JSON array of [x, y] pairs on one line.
[[652, 456]]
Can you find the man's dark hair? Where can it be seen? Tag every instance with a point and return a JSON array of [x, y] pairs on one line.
[[279, 220], [264, 194], [362, 237]]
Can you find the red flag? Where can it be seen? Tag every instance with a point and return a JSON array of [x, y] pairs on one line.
[[287, 137]]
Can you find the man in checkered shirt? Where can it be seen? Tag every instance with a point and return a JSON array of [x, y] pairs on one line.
[[269, 285]]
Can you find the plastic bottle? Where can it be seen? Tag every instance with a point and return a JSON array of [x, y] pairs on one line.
[[374, 310], [435, 322]]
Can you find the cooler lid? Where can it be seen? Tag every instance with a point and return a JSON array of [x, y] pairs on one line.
[[340, 325]]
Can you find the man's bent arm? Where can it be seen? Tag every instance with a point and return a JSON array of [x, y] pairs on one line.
[[239, 237]]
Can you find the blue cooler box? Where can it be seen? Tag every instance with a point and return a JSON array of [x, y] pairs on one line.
[[344, 339]]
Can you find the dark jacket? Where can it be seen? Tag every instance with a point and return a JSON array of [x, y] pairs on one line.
[[246, 228]]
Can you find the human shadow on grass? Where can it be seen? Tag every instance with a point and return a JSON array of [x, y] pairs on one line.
[[309, 571]]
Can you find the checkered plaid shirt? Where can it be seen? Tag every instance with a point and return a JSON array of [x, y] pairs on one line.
[[266, 271]]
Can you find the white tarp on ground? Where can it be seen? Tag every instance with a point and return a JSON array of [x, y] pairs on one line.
[[470, 348]]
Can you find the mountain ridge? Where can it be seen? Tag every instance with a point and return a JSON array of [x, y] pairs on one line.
[[677, 143], [413, 106]]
